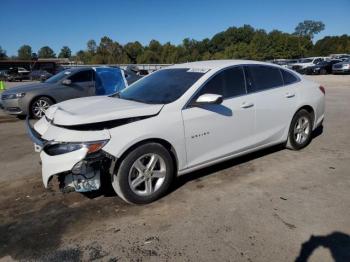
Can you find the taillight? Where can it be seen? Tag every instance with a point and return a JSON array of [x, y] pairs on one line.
[[323, 90]]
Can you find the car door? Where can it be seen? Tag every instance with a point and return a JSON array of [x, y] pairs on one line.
[[275, 102], [82, 85], [214, 131]]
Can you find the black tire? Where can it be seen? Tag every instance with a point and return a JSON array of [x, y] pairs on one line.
[[21, 117], [33, 105], [294, 141], [323, 71], [121, 177]]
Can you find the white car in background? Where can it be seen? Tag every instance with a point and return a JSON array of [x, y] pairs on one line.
[[306, 62], [172, 122]]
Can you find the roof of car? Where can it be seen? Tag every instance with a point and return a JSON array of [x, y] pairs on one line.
[[214, 64], [75, 69]]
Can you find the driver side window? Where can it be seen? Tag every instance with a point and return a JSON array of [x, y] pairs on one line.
[[83, 76], [318, 60], [228, 83]]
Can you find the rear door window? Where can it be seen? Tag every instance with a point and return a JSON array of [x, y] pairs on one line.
[[228, 83], [261, 77]]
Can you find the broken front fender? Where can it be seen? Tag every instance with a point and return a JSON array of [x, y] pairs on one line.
[[52, 165]]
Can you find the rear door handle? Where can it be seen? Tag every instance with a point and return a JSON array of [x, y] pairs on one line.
[[289, 95], [247, 105]]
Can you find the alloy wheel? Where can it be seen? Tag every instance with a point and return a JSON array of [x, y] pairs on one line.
[[39, 107], [302, 130], [147, 174]]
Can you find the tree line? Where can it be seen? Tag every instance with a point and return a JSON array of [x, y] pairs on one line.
[[243, 42]]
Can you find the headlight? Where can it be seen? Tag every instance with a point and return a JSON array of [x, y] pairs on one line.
[[62, 148], [346, 65], [13, 96]]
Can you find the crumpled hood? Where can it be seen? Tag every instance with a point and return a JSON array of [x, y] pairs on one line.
[[97, 109], [27, 88]]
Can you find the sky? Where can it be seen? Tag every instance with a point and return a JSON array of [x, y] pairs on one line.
[[72, 22]]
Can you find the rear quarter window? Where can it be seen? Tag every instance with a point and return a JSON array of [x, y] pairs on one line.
[[288, 78]]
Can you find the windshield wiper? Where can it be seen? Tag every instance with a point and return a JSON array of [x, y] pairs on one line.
[[133, 99], [117, 95]]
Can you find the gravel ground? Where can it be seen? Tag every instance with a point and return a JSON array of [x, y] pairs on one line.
[[273, 205]]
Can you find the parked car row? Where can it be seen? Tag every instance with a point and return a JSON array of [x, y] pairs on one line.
[[317, 65], [20, 74]]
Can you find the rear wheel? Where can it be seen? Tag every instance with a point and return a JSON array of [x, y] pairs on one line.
[[300, 131], [39, 106], [144, 175], [323, 71]]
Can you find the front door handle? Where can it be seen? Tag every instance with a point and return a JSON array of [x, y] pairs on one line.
[[289, 95], [247, 105]]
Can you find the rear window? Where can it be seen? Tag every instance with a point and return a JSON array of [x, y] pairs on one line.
[[288, 78], [260, 77]]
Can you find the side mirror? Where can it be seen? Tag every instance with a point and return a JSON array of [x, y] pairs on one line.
[[205, 99], [67, 82]]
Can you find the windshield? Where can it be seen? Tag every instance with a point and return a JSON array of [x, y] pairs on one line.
[[58, 77], [161, 87], [306, 60]]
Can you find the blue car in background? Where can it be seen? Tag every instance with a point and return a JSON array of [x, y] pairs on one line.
[[35, 99]]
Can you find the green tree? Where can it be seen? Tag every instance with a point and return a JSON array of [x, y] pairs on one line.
[[332, 45], [170, 54], [2, 54], [260, 46], [65, 52], [46, 52], [309, 28], [25, 52], [82, 56], [92, 46], [110, 52], [237, 51], [148, 57], [133, 51], [155, 46], [243, 42]]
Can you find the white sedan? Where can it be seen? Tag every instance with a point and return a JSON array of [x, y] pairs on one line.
[[172, 122]]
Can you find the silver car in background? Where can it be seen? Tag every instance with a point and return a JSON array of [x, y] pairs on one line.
[[342, 67], [35, 99]]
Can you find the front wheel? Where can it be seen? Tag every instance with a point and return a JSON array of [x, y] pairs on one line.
[[144, 175], [300, 131], [39, 106]]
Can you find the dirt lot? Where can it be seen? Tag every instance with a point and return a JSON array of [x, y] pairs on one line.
[[274, 205]]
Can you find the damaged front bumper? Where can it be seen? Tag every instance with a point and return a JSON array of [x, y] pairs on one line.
[[77, 170]]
